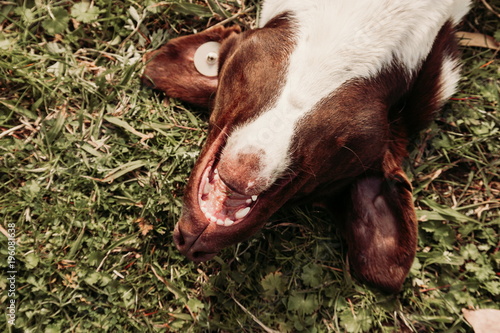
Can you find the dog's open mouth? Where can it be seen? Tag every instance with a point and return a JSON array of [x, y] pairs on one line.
[[219, 203]]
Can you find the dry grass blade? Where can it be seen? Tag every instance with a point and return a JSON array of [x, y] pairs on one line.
[[474, 39]]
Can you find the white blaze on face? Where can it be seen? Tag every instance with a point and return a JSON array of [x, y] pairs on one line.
[[338, 41], [266, 137]]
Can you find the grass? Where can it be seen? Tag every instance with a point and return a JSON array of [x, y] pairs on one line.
[[92, 169]]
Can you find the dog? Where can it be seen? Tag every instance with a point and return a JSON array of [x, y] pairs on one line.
[[321, 99]]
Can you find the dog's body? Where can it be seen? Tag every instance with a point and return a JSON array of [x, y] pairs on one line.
[[321, 98]]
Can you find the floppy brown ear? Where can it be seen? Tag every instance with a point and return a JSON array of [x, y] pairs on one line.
[[381, 229], [171, 68]]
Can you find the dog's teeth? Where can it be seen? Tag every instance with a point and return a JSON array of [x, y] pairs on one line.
[[228, 222], [220, 222], [204, 210], [216, 171], [248, 202], [216, 176], [242, 213], [254, 197], [209, 216]]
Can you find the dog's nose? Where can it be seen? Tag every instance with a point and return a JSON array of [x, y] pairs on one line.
[[183, 240], [186, 244]]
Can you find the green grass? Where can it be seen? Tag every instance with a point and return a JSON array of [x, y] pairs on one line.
[[92, 169]]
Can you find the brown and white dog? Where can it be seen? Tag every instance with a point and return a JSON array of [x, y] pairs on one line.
[[322, 98]]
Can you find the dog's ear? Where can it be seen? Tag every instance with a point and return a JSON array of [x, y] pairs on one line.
[[381, 229], [186, 67]]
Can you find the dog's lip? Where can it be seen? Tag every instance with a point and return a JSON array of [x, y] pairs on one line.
[[254, 212], [219, 203]]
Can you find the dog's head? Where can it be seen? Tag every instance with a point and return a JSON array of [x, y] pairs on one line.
[[287, 120]]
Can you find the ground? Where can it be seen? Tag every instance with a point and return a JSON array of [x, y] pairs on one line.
[[92, 169]]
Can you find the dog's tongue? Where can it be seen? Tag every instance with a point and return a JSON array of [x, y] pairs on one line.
[[219, 203]]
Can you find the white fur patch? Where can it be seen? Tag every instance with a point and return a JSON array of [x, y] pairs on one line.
[[449, 77], [339, 40]]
